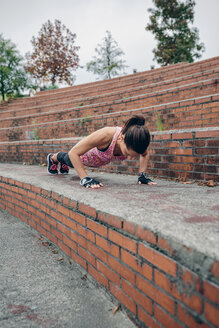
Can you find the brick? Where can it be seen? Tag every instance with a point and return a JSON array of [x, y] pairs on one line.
[[189, 319], [182, 151], [156, 295], [185, 135], [161, 261], [69, 223], [46, 226], [192, 300], [211, 314], [69, 202], [54, 195], [97, 276], [172, 144], [123, 241], [207, 134], [129, 227], [146, 235], [41, 230], [123, 298], [63, 210], [162, 136], [78, 217], [136, 264], [121, 269], [86, 209], [97, 227], [215, 269], [206, 151], [107, 246], [31, 223], [110, 219], [163, 243], [211, 291], [78, 260], [52, 238], [87, 256], [56, 215], [50, 203], [162, 281], [213, 143], [64, 248], [165, 319], [147, 319], [86, 233], [107, 272], [57, 233], [99, 253], [70, 243], [190, 279], [138, 297]]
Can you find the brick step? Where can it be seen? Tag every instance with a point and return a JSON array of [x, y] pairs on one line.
[[161, 73], [92, 85], [63, 103], [185, 153], [209, 87], [87, 88], [191, 112], [149, 255]]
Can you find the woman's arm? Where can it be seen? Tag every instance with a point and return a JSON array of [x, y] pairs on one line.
[[100, 138], [143, 164]]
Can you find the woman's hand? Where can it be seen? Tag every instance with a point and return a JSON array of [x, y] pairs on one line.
[[88, 182], [143, 179]]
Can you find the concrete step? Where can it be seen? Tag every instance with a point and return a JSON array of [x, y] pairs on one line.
[[155, 248]]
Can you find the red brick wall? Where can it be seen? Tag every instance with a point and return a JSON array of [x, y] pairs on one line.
[[194, 112], [189, 154], [139, 268], [107, 105], [55, 113]]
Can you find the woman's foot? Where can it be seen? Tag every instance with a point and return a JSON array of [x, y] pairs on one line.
[[52, 166], [64, 169]]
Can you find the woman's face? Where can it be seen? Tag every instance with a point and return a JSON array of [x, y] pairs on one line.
[[128, 152]]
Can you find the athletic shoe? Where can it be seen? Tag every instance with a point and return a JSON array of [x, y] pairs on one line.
[[64, 169], [52, 167]]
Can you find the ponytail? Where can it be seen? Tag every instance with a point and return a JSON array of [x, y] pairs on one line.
[[137, 136], [134, 120]]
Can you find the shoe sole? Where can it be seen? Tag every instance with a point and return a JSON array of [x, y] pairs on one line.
[[48, 166]]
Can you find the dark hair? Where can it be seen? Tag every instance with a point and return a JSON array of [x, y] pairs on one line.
[[137, 136]]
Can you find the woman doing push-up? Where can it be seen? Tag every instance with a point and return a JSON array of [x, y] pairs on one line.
[[104, 146]]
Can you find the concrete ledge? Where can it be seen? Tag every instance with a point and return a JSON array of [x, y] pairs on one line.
[[154, 248]]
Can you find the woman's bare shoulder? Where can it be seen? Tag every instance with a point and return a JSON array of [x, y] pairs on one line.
[[107, 134]]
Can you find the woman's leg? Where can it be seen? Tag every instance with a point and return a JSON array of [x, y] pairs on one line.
[[62, 158]]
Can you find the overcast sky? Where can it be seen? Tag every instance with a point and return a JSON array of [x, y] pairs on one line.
[[89, 19]]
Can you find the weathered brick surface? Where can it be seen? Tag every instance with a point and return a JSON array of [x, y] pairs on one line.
[[155, 288]]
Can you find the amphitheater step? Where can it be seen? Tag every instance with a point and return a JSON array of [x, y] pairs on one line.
[[154, 248]]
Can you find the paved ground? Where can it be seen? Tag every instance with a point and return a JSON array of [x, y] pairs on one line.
[[184, 213], [37, 290]]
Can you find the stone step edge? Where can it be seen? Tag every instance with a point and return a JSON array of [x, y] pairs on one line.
[[139, 268]]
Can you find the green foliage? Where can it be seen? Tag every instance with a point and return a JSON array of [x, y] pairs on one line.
[[54, 56], [13, 78], [159, 122], [49, 87], [177, 41], [108, 62], [84, 120]]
